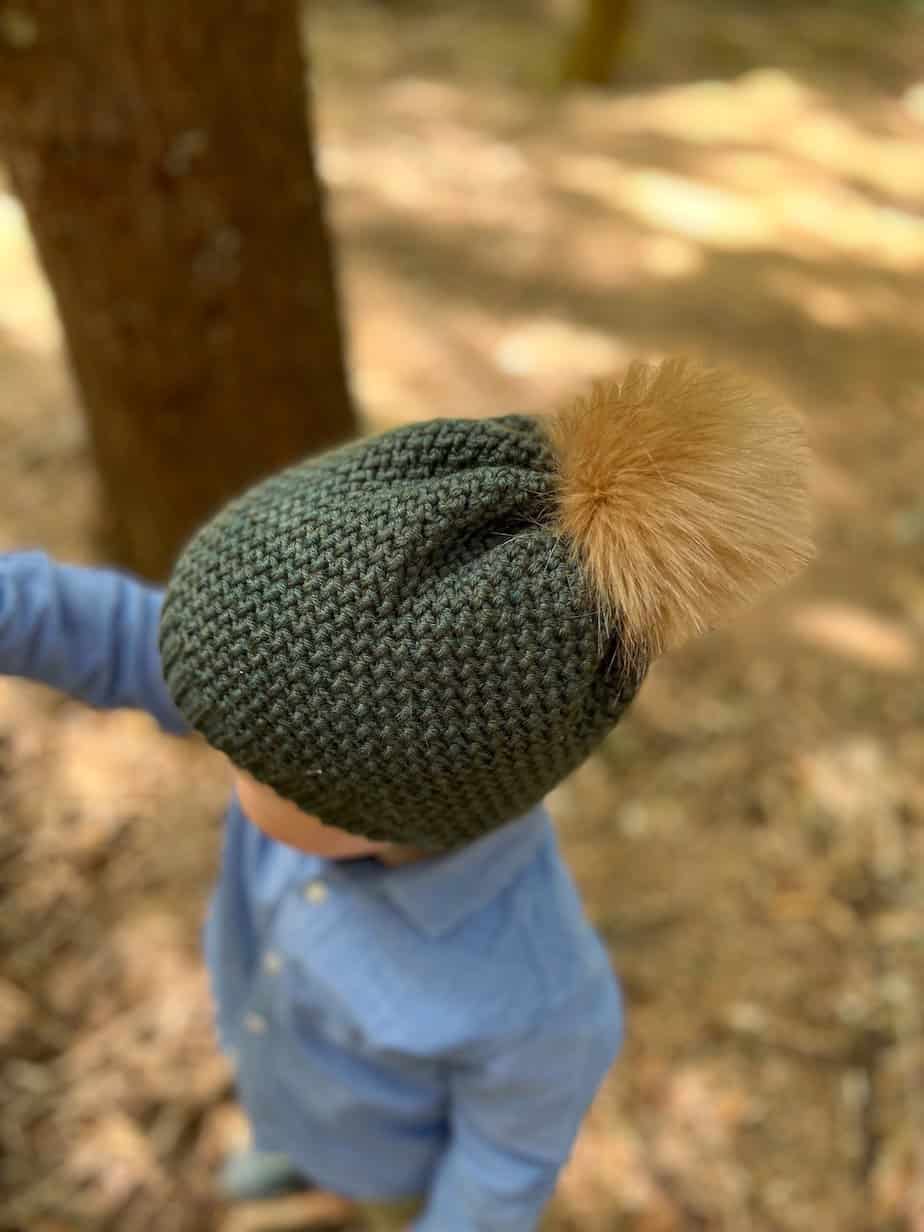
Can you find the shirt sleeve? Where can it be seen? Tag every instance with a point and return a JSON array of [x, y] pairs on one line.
[[515, 1111], [92, 633], [229, 934]]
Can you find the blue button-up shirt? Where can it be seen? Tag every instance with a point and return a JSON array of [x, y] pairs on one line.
[[436, 1029]]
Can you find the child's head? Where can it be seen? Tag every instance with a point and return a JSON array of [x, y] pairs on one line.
[[415, 637], [287, 823]]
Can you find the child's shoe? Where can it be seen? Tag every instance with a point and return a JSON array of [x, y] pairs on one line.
[[249, 1175]]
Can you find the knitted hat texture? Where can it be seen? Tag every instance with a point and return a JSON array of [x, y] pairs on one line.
[[411, 636]]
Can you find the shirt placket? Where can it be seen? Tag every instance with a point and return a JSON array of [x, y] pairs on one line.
[[261, 1017]]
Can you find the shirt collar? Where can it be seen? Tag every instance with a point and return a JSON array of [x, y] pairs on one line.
[[439, 893]]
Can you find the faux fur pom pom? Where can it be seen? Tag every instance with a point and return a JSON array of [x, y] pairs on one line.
[[683, 495]]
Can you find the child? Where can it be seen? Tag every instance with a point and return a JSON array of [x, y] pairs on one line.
[[402, 646]]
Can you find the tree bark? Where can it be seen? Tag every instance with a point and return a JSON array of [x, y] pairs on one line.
[[163, 155], [598, 42]]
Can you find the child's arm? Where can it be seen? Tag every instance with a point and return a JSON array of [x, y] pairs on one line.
[[515, 1113], [91, 633]]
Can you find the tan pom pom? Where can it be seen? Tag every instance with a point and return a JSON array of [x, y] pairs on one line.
[[683, 495]]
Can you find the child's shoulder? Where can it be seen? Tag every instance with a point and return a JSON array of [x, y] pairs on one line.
[[547, 922], [500, 970]]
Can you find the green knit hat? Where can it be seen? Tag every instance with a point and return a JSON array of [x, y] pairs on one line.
[[416, 636]]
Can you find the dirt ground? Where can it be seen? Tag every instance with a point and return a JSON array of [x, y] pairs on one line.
[[750, 842]]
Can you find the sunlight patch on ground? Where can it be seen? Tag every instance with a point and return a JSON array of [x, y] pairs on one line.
[[835, 144], [804, 191], [840, 221], [845, 780], [669, 256], [707, 112], [549, 347], [834, 219], [913, 101], [857, 634], [452, 171], [822, 302], [27, 309], [114, 1157], [610, 1167], [771, 108], [838, 307], [677, 204]]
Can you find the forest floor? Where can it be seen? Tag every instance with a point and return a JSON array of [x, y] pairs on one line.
[[750, 842]]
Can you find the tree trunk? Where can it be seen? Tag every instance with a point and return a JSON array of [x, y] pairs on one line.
[[598, 42], [163, 155]]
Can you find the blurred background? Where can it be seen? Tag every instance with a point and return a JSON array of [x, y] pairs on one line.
[[518, 198]]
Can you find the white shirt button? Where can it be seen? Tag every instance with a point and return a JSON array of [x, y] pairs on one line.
[[256, 1024], [315, 892], [272, 962]]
